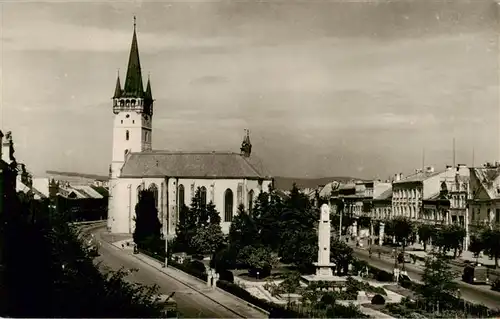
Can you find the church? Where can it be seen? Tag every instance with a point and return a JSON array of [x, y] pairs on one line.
[[227, 179]]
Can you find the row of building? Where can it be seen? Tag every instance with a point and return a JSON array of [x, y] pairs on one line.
[[468, 196], [84, 200]]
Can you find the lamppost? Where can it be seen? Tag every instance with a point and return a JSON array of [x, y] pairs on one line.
[[341, 213], [166, 251]]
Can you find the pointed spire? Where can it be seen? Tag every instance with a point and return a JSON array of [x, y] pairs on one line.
[[133, 81], [149, 94], [118, 88]]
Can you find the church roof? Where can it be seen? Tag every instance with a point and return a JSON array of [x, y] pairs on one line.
[[192, 165]]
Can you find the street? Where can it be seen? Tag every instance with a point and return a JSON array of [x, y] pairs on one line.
[[473, 293], [190, 303]]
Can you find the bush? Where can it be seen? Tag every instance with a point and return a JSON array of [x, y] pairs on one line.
[[226, 275], [378, 300], [496, 285], [405, 282], [191, 268], [380, 275], [263, 273]]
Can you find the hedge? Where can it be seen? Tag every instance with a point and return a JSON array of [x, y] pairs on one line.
[[277, 311]]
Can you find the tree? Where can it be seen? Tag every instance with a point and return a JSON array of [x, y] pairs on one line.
[[451, 237], [196, 224], [65, 282], [147, 226], [438, 281], [476, 246], [266, 214], [208, 237], [258, 259], [185, 230], [491, 239], [404, 232], [425, 232], [341, 255], [243, 231], [298, 239]]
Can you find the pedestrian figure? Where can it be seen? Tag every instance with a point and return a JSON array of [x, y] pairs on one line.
[[379, 254], [370, 252]]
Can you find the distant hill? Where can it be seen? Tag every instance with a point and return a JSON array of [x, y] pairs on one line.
[[78, 175], [286, 183]]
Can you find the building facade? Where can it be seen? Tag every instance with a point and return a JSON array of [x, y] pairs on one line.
[[227, 179], [484, 200]]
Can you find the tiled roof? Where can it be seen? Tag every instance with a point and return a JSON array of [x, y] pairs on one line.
[[385, 194], [489, 179], [88, 191], [418, 177], [101, 190], [196, 164]]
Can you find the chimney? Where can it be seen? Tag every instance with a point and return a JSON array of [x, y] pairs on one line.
[[400, 176], [462, 166], [429, 169], [396, 177], [448, 167]]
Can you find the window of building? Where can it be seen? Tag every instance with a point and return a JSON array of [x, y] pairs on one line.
[[250, 201], [127, 135], [228, 205], [133, 121], [122, 121], [203, 194], [154, 189], [239, 194], [139, 190], [181, 198], [146, 136]]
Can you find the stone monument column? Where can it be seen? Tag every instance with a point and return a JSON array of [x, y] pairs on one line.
[[381, 231], [323, 266]]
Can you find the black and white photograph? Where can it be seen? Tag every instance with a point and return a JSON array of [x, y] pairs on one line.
[[250, 159]]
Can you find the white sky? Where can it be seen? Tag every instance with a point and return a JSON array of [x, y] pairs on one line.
[[325, 87]]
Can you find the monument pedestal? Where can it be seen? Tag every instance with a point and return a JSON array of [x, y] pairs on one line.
[[324, 270]]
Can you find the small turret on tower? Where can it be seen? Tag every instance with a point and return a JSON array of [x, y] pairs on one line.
[[246, 145], [118, 88]]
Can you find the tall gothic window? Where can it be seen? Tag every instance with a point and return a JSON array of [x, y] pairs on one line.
[[181, 198], [154, 189], [127, 135], [250, 201], [139, 189], [203, 195], [228, 205], [239, 194]]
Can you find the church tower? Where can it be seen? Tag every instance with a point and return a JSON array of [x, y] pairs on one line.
[[133, 110]]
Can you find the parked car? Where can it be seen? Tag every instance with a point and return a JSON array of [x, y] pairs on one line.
[[475, 274]]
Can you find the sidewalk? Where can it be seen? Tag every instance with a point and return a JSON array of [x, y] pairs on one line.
[[418, 251], [230, 302]]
